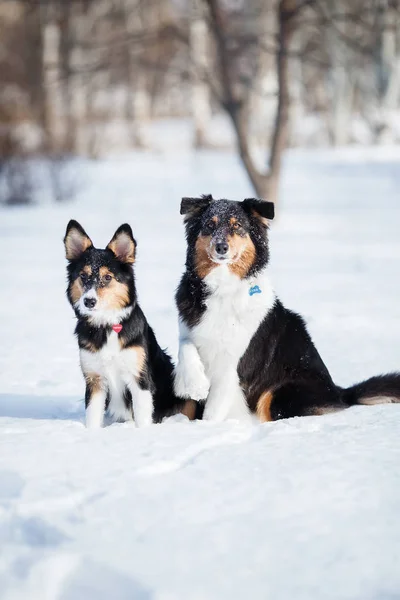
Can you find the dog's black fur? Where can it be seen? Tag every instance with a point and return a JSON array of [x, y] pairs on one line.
[[85, 267], [281, 373]]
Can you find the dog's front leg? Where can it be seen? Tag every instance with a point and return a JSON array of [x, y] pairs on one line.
[[226, 399], [95, 401], [142, 403], [190, 380]]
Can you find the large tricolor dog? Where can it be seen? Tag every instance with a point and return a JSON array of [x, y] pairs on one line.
[[126, 371], [241, 351]]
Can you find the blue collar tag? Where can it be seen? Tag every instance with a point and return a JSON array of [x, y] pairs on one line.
[[254, 290]]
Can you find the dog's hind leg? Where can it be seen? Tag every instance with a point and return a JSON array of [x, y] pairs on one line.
[[298, 399]]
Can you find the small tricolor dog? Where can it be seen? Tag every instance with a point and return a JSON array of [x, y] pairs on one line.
[[126, 371], [241, 351]]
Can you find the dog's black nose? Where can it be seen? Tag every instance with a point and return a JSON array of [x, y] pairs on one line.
[[221, 248], [89, 302]]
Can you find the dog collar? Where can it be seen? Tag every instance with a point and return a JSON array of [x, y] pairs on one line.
[[254, 290], [117, 328]]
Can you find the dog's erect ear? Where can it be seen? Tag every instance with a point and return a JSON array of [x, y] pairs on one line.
[[193, 206], [263, 210], [123, 244], [76, 240]]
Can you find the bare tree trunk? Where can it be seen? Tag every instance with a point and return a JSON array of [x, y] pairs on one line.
[[265, 184], [77, 85], [130, 18], [65, 51], [264, 90], [201, 108], [240, 121], [298, 109], [34, 24], [97, 82], [342, 101], [234, 106], [138, 101], [342, 88], [341, 95], [142, 108], [52, 107], [129, 10], [286, 12], [389, 72]]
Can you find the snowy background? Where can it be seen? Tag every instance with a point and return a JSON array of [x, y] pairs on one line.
[[304, 508]]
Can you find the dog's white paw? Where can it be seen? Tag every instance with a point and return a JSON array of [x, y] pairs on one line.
[[192, 384], [224, 404], [143, 422], [94, 414], [215, 413], [216, 408], [93, 421]]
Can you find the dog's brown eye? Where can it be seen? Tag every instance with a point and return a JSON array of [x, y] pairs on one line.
[[236, 225], [107, 277], [83, 277]]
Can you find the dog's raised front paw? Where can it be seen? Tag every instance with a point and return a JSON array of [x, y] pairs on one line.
[[191, 384]]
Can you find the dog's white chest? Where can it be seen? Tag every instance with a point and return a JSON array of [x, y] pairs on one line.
[[111, 361], [117, 367], [233, 314]]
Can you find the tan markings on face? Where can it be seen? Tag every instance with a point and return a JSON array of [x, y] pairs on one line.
[[103, 271], [233, 220], [76, 290], [263, 410], [243, 253], [189, 409], [215, 219], [114, 295], [203, 263]]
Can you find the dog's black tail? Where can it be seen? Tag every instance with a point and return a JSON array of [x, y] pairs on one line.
[[382, 389]]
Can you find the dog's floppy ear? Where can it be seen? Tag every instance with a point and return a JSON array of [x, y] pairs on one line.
[[123, 244], [76, 240], [193, 206], [263, 210]]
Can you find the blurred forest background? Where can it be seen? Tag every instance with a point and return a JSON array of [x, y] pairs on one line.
[[87, 77]]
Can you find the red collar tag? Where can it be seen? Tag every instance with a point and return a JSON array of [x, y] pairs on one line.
[[117, 328]]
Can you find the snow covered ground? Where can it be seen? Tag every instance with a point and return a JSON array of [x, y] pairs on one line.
[[305, 508]]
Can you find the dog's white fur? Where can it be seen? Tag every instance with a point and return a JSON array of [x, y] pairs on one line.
[[117, 368], [209, 353]]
